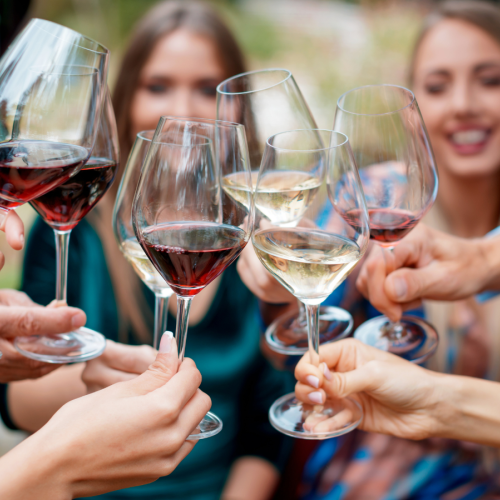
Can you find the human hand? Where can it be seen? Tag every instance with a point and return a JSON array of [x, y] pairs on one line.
[[259, 280], [397, 397], [128, 434], [20, 316], [13, 228], [426, 264], [118, 362]]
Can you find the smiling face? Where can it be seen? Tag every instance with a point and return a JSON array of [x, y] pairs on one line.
[[180, 78], [457, 86]]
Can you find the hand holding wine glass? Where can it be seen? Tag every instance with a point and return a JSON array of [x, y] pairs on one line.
[[187, 225], [398, 173], [309, 261]]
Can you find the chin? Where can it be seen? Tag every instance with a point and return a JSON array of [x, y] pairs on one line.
[[470, 168]]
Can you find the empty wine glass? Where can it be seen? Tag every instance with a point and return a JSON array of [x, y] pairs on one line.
[[187, 225], [52, 82], [62, 209], [267, 102], [310, 261], [125, 236], [399, 177]]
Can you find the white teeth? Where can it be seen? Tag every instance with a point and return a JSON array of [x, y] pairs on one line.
[[469, 137]]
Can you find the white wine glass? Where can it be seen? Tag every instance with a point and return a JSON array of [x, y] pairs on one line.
[[399, 177], [267, 102], [311, 261], [125, 236]]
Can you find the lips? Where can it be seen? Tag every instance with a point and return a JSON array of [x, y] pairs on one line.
[[471, 141]]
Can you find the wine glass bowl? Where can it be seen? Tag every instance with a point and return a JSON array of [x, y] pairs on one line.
[[267, 102], [399, 177], [188, 226], [309, 260]]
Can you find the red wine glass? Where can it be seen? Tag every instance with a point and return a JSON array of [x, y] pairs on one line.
[[188, 226], [51, 87], [62, 209], [267, 102], [398, 172]]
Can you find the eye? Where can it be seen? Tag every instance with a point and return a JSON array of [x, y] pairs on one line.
[[157, 88], [208, 91], [436, 88], [491, 81]]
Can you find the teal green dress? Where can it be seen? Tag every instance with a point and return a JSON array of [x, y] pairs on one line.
[[224, 345]]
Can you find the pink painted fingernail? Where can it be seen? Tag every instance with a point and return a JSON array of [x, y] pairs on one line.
[[327, 372], [316, 397], [312, 380], [166, 342]]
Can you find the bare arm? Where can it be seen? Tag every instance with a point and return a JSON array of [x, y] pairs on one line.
[[251, 478]]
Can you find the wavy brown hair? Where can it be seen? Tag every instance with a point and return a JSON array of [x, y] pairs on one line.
[[161, 20]]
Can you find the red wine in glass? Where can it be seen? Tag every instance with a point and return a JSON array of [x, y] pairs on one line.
[[29, 169], [189, 255], [66, 205], [387, 225]]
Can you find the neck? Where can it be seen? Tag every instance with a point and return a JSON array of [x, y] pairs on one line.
[[471, 206]]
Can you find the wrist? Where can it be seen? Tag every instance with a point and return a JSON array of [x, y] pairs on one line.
[[488, 263], [34, 469]]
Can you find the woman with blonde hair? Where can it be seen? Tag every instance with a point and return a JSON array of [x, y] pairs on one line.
[[179, 52]]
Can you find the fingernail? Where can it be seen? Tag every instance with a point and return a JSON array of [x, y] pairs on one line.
[[316, 397], [312, 380], [327, 372], [400, 288], [166, 342], [78, 320]]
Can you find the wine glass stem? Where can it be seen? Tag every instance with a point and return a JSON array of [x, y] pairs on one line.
[[302, 317], [183, 305], [160, 318], [313, 332], [62, 244]]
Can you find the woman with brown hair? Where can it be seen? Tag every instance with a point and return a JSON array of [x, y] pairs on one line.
[[455, 75], [177, 55]]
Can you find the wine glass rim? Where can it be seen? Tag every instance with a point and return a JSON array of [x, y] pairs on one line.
[[100, 48], [142, 136], [346, 139], [269, 70], [412, 100], [203, 121]]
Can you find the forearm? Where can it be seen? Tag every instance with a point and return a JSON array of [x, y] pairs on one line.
[[33, 402], [251, 478], [468, 409], [489, 258], [34, 469]]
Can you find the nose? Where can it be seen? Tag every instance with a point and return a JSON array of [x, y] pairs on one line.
[[182, 104], [463, 101]]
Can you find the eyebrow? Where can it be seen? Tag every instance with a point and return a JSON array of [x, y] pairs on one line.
[[477, 69]]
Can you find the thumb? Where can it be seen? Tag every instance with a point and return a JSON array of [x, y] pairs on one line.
[[344, 384], [405, 285], [163, 368]]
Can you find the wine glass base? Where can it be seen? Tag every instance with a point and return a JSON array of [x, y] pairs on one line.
[[418, 342], [76, 346], [288, 335], [288, 416], [210, 426]]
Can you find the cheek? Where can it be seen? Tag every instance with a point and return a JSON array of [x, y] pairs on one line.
[[146, 110]]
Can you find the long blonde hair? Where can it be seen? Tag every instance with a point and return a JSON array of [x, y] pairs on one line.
[[161, 20]]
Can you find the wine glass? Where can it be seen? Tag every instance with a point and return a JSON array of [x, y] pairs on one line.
[[187, 225], [399, 177], [125, 236], [51, 87], [309, 261], [268, 102], [62, 209]]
